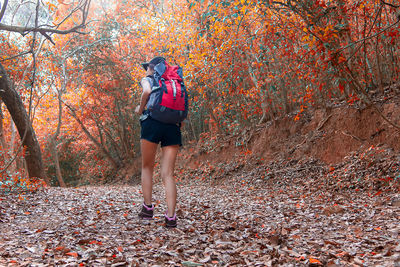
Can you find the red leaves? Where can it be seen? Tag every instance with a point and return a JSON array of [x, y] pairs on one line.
[[96, 242], [72, 254], [314, 261], [341, 59], [62, 248], [341, 88]]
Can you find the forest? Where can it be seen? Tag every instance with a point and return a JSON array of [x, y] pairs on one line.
[[291, 148]]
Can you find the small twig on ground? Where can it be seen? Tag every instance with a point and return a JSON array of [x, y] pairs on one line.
[[322, 123], [353, 136]]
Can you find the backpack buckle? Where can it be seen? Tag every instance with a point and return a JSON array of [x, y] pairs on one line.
[[174, 88]]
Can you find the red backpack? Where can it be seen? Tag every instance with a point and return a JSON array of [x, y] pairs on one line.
[[168, 101]]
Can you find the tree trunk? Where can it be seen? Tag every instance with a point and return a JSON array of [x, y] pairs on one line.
[[2, 139], [12, 100], [54, 152], [53, 142], [13, 167]]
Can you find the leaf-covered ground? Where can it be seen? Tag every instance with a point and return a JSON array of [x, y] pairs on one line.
[[277, 215]]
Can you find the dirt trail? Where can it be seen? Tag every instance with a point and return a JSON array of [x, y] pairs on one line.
[[246, 222], [320, 191]]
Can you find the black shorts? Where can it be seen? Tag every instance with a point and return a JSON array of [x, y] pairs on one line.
[[156, 132]]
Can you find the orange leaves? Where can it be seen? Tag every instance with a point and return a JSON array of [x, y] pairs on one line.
[[61, 248], [51, 7], [353, 98], [301, 258], [72, 254], [96, 242], [314, 261], [341, 59], [341, 87], [66, 251], [242, 60]]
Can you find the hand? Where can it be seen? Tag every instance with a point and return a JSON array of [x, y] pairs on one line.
[[137, 110]]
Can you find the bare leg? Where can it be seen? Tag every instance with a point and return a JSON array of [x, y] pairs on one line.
[[149, 150], [168, 159]]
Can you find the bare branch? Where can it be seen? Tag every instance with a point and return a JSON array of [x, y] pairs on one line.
[[389, 4], [368, 37], [81, 7], [3, 9], [19, 55], [26, 30], [45, 30]]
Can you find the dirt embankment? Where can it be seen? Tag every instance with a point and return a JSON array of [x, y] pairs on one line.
[[324, 135], [329, 136]]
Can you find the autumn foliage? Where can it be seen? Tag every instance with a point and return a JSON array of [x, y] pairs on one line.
[[245, 62]]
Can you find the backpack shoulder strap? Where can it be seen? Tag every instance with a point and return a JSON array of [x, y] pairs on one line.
[[152, 81]]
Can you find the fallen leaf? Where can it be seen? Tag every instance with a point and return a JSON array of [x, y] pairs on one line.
[[191, 263], [206, 259], [314, 261], [72, 254]]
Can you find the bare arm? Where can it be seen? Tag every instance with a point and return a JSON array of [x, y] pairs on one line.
[[145, 96]]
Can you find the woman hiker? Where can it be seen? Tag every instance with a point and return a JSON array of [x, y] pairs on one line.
[[154, 132]]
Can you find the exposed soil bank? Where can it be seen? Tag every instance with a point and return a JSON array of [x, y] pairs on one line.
[[325, 135]]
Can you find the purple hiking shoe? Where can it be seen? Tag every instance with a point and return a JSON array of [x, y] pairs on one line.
[[147, 212], [170, 222]]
